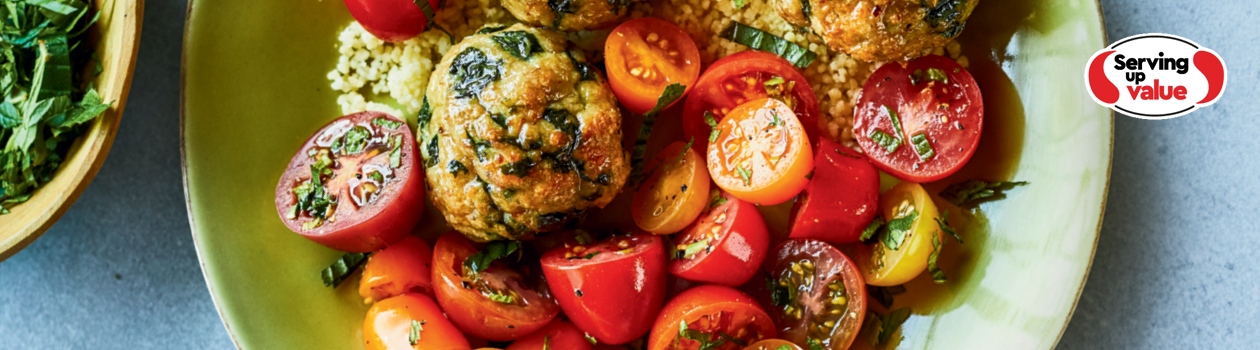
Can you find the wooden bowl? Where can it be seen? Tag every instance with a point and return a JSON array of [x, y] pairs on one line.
[[117, 37]]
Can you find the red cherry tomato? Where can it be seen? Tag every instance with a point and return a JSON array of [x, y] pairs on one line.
[[392, 20], [773, 344], [399, 268], [940, 113], [643, 56], [719, 316], [370, 188], [818, 294], [742, 77], [726, 246], [610, 289], [390, 323], [557, 335], [841, 198], [498, 303]]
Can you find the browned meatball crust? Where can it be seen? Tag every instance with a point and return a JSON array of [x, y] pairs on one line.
[[519, 136], [570, 15], [880, 30]]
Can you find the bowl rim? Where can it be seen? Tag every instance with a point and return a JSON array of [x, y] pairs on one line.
[[105, 129], [219, 308]]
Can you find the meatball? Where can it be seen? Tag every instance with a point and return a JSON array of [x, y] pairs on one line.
[[569, 15], [519, 135], [880, 30]]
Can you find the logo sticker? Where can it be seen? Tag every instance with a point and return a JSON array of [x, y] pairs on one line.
[[1155, 76]]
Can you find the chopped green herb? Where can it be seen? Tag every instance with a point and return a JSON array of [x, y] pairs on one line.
[[885, 141], [922, 146], [519, 43], [943, 222], [869, 233], [744, 174], [708, 341], [546, 342], [779, 295], [395, 153], [938, 276], [783, 347], [773, 82], [501, 298], [456, 167], [888, 324], [424, 115], [387, 123], [519, 168], [671, 94], [471, 71], [355, 140], [763, 41], [683, 154], [494, 251], [947, 17], [713, 129], [489, 29], [938, 75], [971, 193], [716, 198], [814, 344], [431, 154], [776, 121], [694, 248], [334, 274], [884, 295], [898, 229], [739, 4], [589, 338], [414, 336]]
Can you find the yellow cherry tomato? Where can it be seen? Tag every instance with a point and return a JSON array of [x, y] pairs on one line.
[[901, 252], [675, 194]]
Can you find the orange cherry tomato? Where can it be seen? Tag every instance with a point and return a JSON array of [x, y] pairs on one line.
[[720, 316], [559, 334], [761, 153], [402, 267], [675, 194], [391, 324], [773, 344], [643, 56]]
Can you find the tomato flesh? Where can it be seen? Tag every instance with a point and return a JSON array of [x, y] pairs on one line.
[[643, 56], [760, 153], [557, 335], [675, 194], [368, 192], [940, 113], [725, 247], [391, 20], [885, 266], [610, 289], [401, 267], [818, 295], [773, 344], [498, 303], [742, 77], [841, 199], [717, 316], [389, 324]]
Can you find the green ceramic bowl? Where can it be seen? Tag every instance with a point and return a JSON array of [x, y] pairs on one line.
[[254, 89]]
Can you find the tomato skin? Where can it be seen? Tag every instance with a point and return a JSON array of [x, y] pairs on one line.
[[391, 20], [773, 344], [814, 300], [631, 46], [401, 267], [612, 296], [950, 115], [478, 315], [710, 92], [736, 313], [885, 267], [388, 325], [736, 250], [841, 198], [675, 194], [389, 218], [559, 334], [739, 163]]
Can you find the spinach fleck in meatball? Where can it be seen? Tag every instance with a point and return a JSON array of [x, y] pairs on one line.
[[570, 15], [519, 135], [880, 30]]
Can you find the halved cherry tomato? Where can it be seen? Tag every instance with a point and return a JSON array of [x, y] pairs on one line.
[[498, 303], [643, 56], [710, 317], [939, 111], [818, 295], [610, 289], [773, 344], [401, 267], [560, 334], [761, 154], [908, 209], [393, 20], [390, 324], [369, 189], [675, 194], [742, 77], [725, 247], [841, 198]]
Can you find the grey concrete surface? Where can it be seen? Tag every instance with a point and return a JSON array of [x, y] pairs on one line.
[[1175, 266]]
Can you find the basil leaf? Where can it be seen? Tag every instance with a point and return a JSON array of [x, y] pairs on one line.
[[471, 71], [672, 93], [764, 41], [943, 223], [868, 234], [414, 336], [938, 276], [518, 43], [713, 129], [334, 274], [922, 146], [971, 193], [890, 323], [494, 251], [885, 141], [898, 229]]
